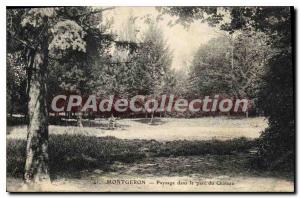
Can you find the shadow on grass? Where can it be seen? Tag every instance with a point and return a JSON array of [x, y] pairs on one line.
[[71, 154], [155, 121]]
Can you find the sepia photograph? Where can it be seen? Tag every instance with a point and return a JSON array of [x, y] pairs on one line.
[[150, 99]]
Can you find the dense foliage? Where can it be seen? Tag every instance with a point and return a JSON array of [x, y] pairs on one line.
[[276, 91]]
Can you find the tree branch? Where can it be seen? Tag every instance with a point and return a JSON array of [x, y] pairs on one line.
[[95, 12]]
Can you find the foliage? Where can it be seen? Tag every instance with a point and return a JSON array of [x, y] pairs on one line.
[[66, 31], [15, 82], [230, 65], [153, 62], [276, 94]]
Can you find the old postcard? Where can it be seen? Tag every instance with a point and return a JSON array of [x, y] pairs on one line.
[[150, 99]]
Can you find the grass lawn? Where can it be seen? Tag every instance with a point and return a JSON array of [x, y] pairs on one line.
[[79, 155], [163, 129]]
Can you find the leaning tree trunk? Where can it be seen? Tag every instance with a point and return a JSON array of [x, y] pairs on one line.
[[36, 166]]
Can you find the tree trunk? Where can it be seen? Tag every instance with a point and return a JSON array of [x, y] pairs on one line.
[[11, 106], [79, 119], [152, 116], [79, 115], [36, 166]]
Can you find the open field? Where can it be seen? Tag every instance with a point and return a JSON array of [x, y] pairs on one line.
[[163, 129]]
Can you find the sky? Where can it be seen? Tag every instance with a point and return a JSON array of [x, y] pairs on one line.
[[182, 42]]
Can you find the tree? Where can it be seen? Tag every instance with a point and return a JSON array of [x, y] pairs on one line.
[[141, 70], [153, 64], [79, 74], [232, 65], [120, 72], [276, 95], [36, 32]]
